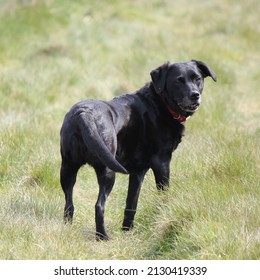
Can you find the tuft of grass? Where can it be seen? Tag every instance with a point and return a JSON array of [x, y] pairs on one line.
[[55, 53]]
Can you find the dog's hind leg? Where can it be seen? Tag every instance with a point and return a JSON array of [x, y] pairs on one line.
[[106, 180], [135, 182], [68, 176]]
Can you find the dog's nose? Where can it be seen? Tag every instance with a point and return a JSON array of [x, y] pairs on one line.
[[195, 95]]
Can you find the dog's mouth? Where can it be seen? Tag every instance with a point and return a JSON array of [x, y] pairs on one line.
[[189, 108]]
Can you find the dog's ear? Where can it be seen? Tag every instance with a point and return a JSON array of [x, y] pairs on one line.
[[205, 70], [158, 76]]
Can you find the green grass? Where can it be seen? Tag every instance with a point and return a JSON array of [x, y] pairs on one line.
[[55, 53]]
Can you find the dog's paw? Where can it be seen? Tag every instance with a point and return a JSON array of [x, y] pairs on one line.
[[127, 227], [102, 237]]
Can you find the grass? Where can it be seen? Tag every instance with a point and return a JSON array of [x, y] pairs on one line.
[[55, 53]]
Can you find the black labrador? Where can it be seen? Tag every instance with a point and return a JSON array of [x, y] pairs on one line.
[[130, 134]]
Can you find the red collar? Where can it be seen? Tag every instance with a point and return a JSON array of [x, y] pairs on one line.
[[181, 119]]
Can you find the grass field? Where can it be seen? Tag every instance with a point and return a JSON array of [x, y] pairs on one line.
[[55, 53]]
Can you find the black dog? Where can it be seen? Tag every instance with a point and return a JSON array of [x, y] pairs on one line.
[[130, 134]]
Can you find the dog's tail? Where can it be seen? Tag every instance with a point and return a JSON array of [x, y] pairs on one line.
[[95, 143]]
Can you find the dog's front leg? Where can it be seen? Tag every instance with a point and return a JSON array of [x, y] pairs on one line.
[[161, 170], [135, 182]]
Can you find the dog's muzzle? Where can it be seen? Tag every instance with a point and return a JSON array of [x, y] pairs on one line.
[[191, 103]]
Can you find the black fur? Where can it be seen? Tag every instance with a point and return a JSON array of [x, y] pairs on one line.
[[130, 134]]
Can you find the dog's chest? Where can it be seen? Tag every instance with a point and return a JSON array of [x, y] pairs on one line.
[[136, 151]]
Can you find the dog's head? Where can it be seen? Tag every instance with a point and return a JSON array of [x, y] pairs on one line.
[[182, 83]]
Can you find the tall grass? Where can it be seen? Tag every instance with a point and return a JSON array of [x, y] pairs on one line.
[[55, 53]]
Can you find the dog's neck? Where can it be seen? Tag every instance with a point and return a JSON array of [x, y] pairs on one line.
[[175, 111], [181, 118]]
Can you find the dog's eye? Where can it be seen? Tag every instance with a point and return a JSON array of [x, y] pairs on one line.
[[197, 79], [180, 80]]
